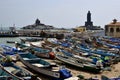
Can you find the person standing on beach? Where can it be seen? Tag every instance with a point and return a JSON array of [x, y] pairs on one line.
[[99, 64]]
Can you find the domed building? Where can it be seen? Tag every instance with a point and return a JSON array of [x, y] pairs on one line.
[[113, 29], [38, 26]]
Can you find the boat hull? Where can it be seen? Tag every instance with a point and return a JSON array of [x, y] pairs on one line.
[[78, 64], [40, 70]]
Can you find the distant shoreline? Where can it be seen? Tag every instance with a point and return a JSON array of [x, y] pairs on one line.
[[32, 34]]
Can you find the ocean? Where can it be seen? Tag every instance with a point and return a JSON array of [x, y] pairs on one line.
[[3, 40]]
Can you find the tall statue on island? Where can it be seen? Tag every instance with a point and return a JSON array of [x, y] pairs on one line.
[[88, 16], [88, 23]]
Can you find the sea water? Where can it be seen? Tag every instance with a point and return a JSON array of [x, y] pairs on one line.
[[3, 40]]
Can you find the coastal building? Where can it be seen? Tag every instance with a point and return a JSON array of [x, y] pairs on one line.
[[89, 24], [80, 29], [9, 32], [113, 29]]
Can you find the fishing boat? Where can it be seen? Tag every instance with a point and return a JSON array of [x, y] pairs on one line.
[[6, 76], [112, 46], [38, 51], [82, 56], [22, 46], [8, 50], [37, 43], [10, 71], [114, 58], [103, 77], [43, 67], [52, 41], [31, 39], [109, 43], [41, 52], [110, 39], [97, 51], [78, 63], [10, 41]]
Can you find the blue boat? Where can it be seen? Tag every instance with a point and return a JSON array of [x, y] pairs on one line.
[[112, 46], [97, 51], [8, 50]]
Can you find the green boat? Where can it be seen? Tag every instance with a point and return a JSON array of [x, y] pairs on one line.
[[4, 75], [10, 71]]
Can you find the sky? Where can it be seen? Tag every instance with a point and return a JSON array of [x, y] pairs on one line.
[[58, 13]]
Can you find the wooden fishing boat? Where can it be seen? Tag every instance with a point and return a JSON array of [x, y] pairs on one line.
[[114, 58], [110, 40], [110, 43], [98, 46], [96, 42], [4, 75], [78, 63], [106, 48], [42, 45], [81, 56], [10, 41], [52, 41], [38, 51], [8, 50], [41, 52], [31, 39], [10, 71], [97, 51], [37, 44], [103, 77], [22, 46], [112, 46], [43, 67]]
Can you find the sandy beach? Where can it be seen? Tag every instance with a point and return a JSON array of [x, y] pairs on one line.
[[115, 72]]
